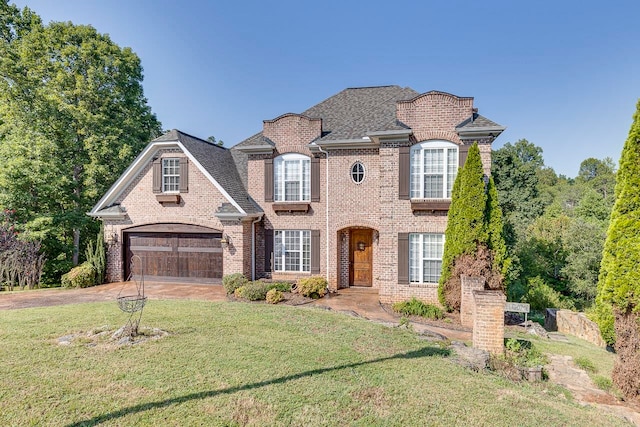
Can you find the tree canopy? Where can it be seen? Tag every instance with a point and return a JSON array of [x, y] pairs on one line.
[[72, 117]]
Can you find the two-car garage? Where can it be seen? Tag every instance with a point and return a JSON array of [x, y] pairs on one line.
[[175, 252]]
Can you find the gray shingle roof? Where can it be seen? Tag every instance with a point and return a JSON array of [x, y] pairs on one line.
[[221, 165], [353, 112], [479, 122]]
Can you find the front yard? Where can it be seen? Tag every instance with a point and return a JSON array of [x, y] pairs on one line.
[[248, 364]]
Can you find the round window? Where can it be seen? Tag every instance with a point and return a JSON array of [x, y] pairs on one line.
[[357, 172]]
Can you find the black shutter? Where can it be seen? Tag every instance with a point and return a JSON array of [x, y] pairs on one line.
[[268, 180], [268, 250], [157, 176], [403, 173], [184, 175], [403, 258], [315, 251], [315, 179], [463, 152]]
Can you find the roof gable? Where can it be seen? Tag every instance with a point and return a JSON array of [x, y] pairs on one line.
[[216, 164]]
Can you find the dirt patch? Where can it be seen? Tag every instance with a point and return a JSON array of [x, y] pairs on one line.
[[106, 337]]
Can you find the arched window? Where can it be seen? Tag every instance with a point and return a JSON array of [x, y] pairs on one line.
[[292, 178], [434, 166]]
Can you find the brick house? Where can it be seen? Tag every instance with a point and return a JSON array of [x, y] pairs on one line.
[[356, 189]]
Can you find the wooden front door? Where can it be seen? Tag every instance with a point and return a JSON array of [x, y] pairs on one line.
[[361, 258]]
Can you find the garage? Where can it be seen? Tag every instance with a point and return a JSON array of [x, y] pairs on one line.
[[175, 252]]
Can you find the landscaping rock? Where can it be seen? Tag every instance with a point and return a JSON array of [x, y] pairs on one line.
[[469, 357], [534, 328]]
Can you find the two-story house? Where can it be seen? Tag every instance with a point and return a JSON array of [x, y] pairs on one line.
[[356, 189]]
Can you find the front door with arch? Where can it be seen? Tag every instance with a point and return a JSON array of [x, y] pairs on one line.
[[361, 257]]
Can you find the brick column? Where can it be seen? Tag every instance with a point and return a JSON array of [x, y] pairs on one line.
[[488, 324], [469, 284]]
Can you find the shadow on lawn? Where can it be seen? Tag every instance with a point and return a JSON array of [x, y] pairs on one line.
[[423, 352]]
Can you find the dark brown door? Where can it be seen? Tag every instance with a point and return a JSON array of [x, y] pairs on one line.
[[360, 258], [176, 256]]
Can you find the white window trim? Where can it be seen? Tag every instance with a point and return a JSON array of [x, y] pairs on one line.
[[302, 234], [279, 177], [422, 257], [364, 172], [429, 145], [164, 185]]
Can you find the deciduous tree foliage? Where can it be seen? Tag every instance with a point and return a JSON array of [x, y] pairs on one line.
[[72, 117], [620, 272]]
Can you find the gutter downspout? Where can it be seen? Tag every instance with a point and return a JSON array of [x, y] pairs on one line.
[[326, 192], [253, 247]]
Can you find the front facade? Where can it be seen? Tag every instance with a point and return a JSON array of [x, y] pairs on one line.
[[356, 189]]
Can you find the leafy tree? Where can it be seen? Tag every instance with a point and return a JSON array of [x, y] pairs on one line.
[[515, 171], [620, 274], [474, 222], [213, 140], [72, 117]]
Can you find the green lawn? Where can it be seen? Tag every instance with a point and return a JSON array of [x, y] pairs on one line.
[[252, 364]]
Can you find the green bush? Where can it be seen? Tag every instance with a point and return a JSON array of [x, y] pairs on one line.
[[274, 296], [81, 276], [313, 287], [602, 314], [415, 307], [542, 296], [231, 282], [281, 286], [252, 291], [523, 354]]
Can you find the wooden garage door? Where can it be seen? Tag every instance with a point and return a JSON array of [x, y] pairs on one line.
[[180, 257]]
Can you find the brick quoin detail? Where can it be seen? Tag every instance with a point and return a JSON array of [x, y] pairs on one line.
[[488, 321]]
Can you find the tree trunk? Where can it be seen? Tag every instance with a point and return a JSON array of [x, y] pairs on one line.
[[626, 371], [76, 245]]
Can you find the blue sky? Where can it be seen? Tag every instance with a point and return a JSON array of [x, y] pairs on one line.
[[563, 74]]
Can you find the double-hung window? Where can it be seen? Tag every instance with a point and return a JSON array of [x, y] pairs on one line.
[[170, 175], [425, 257], [292, 178], [292, 250], [434, 166]]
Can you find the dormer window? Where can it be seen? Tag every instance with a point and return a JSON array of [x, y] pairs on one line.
[[171, 175], [434, 166], [292, 178]]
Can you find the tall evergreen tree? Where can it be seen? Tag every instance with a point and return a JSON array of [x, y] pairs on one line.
[[619, 283], [474, 220]]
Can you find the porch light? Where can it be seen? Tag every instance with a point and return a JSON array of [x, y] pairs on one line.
[[111, 238], [224, 242], [361, 246]]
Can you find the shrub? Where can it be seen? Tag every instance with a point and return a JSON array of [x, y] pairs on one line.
[[524, 353], [281, 286], [313, 287], [415, 307], [96, 256], [253, 291], [602, 314], [274, 296], [542, 296], [81, 276], [231, 282]]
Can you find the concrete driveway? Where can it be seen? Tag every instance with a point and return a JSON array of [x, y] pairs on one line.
[[108, 292]]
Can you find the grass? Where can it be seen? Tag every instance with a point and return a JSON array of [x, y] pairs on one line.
[[233, 364]]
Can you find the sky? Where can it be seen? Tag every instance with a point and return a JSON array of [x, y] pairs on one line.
[[563, 74]]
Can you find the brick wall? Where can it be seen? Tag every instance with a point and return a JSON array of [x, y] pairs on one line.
[[488, 321], [292, 130], [469, 284], [197, 207]]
